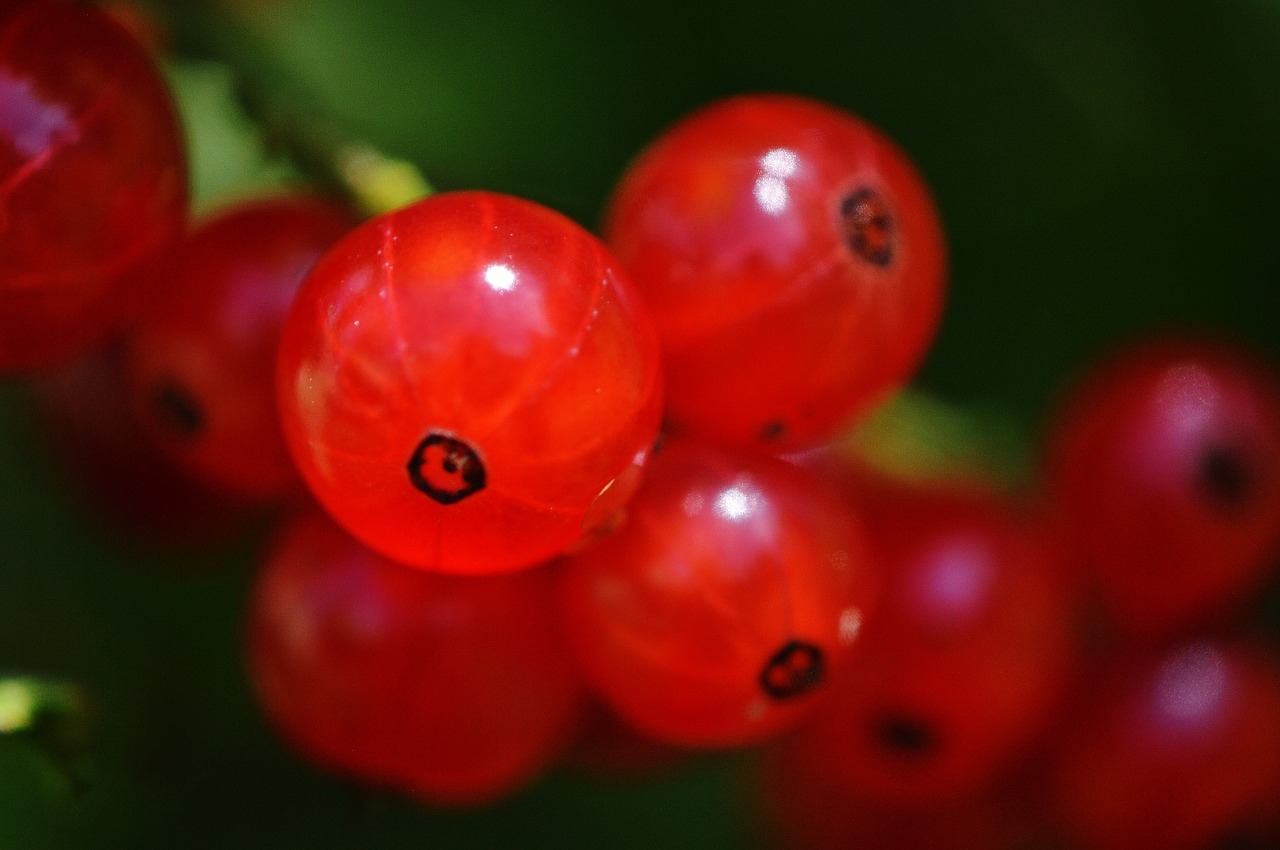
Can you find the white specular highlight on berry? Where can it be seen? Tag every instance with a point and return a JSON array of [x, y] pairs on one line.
[[734, 503], [1191, 686], [850, 625], [500, 278], [771, 187], [29, 122], [958, 581]]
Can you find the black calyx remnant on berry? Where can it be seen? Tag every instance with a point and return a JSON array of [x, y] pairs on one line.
[[660, 441], [795, 669], [868, 226], [1224, 477], [176, 411], [904, 735], [773, 430], [446, 469]]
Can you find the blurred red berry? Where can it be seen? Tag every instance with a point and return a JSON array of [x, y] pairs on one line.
[[1180, 751], [1163, 474], [453, 690], [110, 465], [202, 361], [807, 806], [969, 654], [93, 180]]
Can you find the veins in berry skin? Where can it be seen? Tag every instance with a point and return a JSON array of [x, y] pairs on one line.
[[795, 669], [446, 468], [868, 227]]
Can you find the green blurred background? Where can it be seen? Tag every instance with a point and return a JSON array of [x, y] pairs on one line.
[[1102, 169]]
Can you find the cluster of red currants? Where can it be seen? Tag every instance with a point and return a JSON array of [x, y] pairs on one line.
[[1068, 661], [459, 402]]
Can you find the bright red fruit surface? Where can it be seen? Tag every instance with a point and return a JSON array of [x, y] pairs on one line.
[[1180, 751], [462, 379], [454, 690], [967, 658], [1164, 474], [794, 263], [202, 362], [714, 616], [93, 180]]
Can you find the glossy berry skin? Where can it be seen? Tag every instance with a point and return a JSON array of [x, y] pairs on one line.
[[93, 180], [462, 379], [714, 616], [1179, 751], [967, 659], [1163, 473], [794, 263], [202, 362], [453, 690]]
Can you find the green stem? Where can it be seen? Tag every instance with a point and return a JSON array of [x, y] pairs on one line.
[[914, 435], [25, 701], [322, 149]]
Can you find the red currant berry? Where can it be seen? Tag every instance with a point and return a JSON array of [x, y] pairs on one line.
[[454, 690], [1180, 752], [713, 617], [93, 181], [461, 379], [967, 659], [794, 263], [1164, 475], [115, 471], [202, 363]]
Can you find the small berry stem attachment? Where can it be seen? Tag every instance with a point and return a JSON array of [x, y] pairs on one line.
[[379, 183], [374, 181]]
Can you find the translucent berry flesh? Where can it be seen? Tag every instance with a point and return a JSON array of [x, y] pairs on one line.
[[715, 615], [793, 260], [462, 380]]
